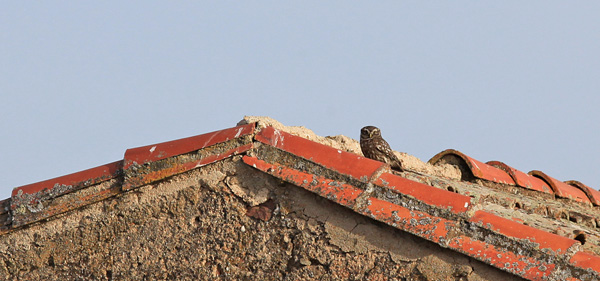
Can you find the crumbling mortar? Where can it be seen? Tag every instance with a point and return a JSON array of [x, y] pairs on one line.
[[362, 202], [564, 273]]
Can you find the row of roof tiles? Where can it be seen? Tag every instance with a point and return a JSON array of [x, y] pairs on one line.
[[500, 172], [366, 186], [379, 198]]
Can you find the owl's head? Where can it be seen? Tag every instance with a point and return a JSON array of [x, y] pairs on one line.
[[369, 132]]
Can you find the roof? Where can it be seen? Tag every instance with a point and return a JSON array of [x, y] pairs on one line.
[[529, 224]]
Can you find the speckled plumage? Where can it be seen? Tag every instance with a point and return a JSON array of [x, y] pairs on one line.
[[374, 147]]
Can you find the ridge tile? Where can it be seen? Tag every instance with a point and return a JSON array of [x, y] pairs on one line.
[[478, 168], [522, 179], [562, 189], [592, 194]]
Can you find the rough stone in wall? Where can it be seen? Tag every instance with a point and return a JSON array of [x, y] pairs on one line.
[[349, 144], [194, 226]]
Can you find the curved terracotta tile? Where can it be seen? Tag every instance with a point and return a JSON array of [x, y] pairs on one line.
[[562, 189], [479, 169], [592, 194], [522, 179]]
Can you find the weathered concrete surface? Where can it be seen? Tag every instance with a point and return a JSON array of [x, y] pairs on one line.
[[193, 227]]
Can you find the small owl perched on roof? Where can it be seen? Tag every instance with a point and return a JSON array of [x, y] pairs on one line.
[[373, 146]]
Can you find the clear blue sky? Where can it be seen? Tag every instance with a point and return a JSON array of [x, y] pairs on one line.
[[513, 81]]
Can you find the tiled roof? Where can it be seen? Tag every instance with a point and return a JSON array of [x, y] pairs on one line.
[[529, 224]]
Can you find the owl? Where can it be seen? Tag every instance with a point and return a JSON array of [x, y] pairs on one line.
[[373, 146]]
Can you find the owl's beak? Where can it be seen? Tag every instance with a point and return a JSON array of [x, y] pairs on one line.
[[371, 134]]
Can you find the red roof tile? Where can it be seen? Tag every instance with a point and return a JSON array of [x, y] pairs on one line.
[[136, 157], [527, 267], [592, 194], [170, 169], [456, 202], [510, 228], [562, 189], [586, 260], [341, 193], [344, 162], [154, 152], [522, 179], [419, 223], [33, 202], [479, 169], [72, 181]]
